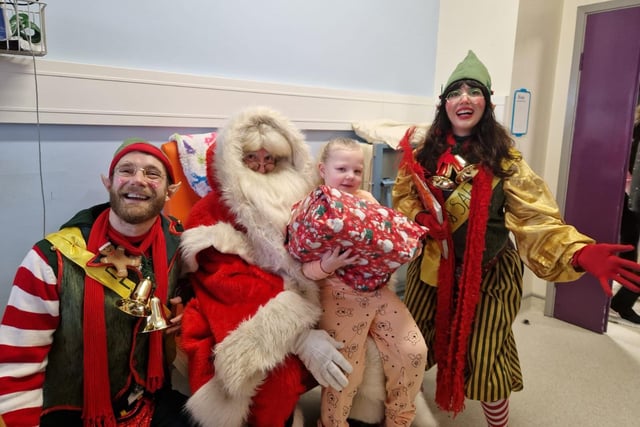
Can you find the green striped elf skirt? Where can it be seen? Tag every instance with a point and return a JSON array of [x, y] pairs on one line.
[[493, 367]]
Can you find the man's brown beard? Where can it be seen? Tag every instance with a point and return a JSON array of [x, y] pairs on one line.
[[136, 215]]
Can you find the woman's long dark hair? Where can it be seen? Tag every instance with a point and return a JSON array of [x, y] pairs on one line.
[[490, 142]]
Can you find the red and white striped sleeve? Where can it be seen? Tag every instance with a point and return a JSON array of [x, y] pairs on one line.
[[26, 333]]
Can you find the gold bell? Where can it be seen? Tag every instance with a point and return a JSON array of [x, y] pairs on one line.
[[467, 172], [156, 321], [442, 182], [138, 302]]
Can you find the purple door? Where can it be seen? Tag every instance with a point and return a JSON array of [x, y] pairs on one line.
[[607, 96]]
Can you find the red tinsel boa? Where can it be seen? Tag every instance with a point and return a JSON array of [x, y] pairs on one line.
[[453, 323]]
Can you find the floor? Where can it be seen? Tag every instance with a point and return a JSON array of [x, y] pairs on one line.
[[573, 377]]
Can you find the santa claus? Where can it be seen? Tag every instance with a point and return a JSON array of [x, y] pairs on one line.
[[249, 332], [252, 305]]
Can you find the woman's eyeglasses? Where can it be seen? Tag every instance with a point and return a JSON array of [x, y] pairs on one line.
[[472, 93]]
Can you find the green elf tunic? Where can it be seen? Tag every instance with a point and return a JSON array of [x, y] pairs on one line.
[[127, 348]]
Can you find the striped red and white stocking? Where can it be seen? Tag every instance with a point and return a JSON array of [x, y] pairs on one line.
[[497, 413]]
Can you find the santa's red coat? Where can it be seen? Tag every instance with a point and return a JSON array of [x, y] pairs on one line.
[[243, 311]]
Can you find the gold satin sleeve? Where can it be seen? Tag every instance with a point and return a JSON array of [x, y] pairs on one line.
[[544, 241]]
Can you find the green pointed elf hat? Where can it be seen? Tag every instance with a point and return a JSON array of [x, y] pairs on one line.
[[471, 68]]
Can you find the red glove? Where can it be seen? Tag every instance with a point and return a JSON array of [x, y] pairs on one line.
[[436, 230], [601, 261]]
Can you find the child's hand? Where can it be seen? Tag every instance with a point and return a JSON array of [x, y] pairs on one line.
[[333, 260]]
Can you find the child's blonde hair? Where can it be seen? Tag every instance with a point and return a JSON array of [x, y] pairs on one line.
[[337, 143]]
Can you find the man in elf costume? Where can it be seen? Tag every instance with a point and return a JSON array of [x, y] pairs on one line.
[[69, 356]]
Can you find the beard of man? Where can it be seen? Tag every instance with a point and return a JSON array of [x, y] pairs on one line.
[[268, 199], [137, 213]]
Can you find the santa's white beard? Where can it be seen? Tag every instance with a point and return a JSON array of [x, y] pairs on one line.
[[273, 194], [265, 212]]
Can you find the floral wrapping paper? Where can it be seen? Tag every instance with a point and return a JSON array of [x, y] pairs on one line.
[[383, 238]]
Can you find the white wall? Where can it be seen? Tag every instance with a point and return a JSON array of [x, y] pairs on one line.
[[363, 45], [77, 94], [154, 68], [326, 63], [488, 28], [534, 64]]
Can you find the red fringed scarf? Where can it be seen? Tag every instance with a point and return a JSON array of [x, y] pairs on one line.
[[453, 323], [97, 411]]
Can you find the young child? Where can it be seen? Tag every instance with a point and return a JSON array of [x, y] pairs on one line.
[[350, 315]]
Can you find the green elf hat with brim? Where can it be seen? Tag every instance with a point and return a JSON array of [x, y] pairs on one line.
[[137, 144], [471, 69]]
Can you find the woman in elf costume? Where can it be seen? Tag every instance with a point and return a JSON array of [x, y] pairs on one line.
[[468, 184]]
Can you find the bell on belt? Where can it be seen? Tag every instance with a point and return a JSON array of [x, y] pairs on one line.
[[156, 321], [138, 302]]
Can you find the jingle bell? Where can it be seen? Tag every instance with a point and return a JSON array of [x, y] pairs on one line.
[[156, 321], [138, 302]]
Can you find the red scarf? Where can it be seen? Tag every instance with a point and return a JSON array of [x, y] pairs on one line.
[[453, 323], [98, 411]]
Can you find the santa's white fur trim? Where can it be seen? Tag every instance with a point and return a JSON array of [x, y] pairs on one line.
[[221, 236], [210, 406], [261, 342], [424, 416], [298, 417], [243, 128], [368, 404]]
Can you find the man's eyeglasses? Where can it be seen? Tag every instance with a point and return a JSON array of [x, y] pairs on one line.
[[128, 171], [472, 93], [254, 161]]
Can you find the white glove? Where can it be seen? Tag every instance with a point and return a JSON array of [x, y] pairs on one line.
[[319, 353]]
